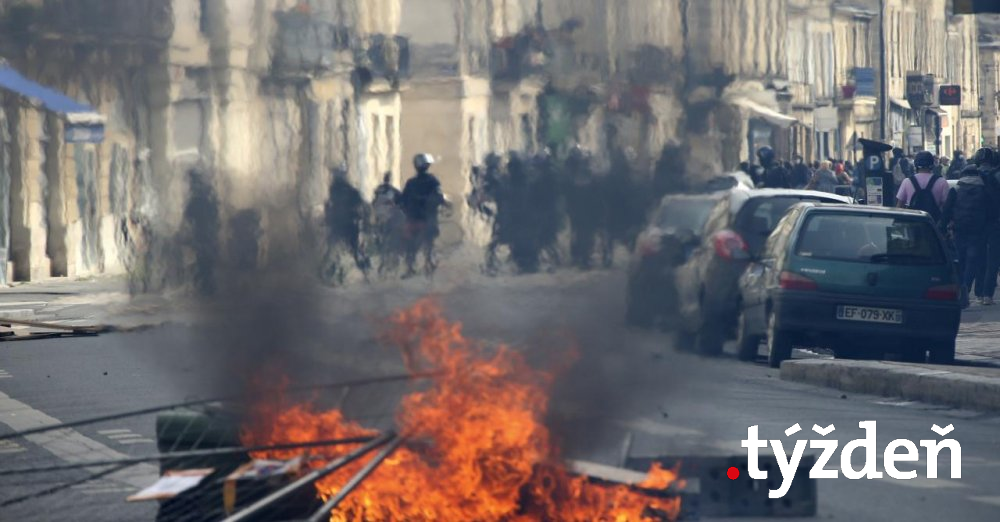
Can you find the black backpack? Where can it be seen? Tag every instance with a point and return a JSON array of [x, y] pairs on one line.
[[923, 198]]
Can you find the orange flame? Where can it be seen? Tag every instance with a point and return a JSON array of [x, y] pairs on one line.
[[478, 449]]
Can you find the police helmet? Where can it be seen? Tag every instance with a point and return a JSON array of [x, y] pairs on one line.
[[765, 154], [924, 160], [423, 162], [986, 157]]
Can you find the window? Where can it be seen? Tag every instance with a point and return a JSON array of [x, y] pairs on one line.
[[870, 239], [760, 215], [685, 214], [390, 142], [204, 24]]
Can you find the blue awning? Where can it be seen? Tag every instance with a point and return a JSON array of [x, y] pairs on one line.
[[75, 113]]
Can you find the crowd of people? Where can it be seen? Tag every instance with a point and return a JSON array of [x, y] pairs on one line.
[[531, 201], [839, 176], [969, 213], [398, 224]]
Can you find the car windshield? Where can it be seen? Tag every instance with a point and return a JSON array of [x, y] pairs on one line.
[[893, 240], [684, 214], [761, 215]]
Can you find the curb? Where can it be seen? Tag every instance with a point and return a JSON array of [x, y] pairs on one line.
[[930, 384]]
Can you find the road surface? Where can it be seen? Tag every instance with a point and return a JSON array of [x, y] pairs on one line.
[[625, 381]]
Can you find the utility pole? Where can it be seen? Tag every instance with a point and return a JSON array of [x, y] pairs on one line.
[[883, 73]]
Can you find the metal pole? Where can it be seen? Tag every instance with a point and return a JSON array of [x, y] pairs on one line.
[[189, 455], [310, 478], [201, 402], [324, 512]]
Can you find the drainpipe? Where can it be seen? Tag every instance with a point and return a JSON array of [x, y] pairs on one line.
[[883, 74]]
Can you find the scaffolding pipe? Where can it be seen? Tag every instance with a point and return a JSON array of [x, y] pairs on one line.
[[324, 512], [189, 455], [310, 478]]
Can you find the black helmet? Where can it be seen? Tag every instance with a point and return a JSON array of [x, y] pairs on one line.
[[422, 162], [923, 160], [765, 154], [493, 160], [970, 170], [985, 157]]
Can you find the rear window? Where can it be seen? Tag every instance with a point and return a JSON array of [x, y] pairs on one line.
[[685, 214], [761, 215], [893, 240]]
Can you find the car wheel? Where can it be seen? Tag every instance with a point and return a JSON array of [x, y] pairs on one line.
[[684, 341], [748, 345], [943, 354], [779, 343], [637, 311], [913, 356], [710, 341]]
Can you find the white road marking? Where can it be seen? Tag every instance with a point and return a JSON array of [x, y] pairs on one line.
[[4, 374], [926, 483], [8, 446], [22, 303], [993, 501], [101, 487], [118, 436], [69, 445], [112, 432], [137, 441], [658, 428]]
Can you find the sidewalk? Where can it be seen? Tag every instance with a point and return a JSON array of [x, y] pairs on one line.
[[973, 383], [102, 301]]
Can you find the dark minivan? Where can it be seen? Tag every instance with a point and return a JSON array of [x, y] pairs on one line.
[[860, 281]]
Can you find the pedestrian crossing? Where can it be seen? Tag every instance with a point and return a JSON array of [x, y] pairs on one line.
[[4, 374], [125, 437], [8, 447], [102, 487]]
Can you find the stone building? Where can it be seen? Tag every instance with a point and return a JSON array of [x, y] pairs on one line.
[[989, 78], [267, 96], [964, 123]]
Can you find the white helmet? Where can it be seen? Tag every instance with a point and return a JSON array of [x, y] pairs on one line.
[[423, 161]]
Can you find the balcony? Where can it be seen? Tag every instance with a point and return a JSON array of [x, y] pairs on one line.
[[104, 21], [653, 65], [520, 57], [382, 58], [310, 45]]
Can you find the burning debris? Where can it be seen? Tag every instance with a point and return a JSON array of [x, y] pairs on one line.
[[475, 446]]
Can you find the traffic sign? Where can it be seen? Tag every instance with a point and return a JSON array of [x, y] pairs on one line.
[[950, 95]]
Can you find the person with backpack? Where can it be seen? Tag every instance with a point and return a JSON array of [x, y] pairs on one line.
[[988, 161], [924, 190], [967, 212]]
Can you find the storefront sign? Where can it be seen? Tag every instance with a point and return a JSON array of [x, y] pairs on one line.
[[84, 134]]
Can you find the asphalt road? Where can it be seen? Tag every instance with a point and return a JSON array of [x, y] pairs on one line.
[[625, 381]]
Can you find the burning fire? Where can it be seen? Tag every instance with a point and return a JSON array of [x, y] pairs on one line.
[[477, 450]]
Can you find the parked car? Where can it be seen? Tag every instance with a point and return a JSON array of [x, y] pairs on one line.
[[860, 281], [732, 180], [708, 294], [674, 229]]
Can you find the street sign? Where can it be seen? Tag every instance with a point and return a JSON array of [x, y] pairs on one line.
[[976, 6], [950, 95], [919, 89]]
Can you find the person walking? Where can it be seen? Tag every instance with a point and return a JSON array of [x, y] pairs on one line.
[[966, 212], [421, 200], [924, 190], [823, 180], [988, 162], [801, 173]]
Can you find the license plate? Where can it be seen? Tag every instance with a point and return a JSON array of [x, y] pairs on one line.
[[869, 315]]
